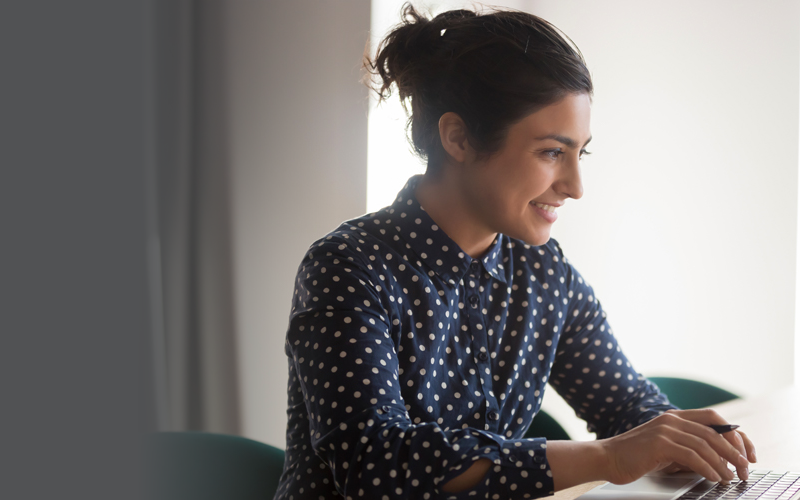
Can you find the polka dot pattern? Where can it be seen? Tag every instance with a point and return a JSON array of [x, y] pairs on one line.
[[409, 360]]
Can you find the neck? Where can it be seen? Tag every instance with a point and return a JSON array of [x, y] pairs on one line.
[[445, 202]]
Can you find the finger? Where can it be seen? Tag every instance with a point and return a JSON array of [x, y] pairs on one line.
[[707, 416], [736, 441], [713, 447], [742, 469], [695, 462], [720, 444], [704, 450], [749, 446]]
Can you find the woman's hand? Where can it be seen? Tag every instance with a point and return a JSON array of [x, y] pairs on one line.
[[737, 438], [678, 438]]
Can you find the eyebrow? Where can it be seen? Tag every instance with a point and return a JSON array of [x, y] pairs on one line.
[[567, 141]]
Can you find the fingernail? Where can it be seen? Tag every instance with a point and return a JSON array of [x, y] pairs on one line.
[[754, 460]]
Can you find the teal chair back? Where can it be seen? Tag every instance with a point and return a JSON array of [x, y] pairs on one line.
[[690, 394], [683, 393], [545, 426], [206, 466]]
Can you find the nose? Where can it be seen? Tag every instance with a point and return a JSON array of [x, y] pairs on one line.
[[569, 182]]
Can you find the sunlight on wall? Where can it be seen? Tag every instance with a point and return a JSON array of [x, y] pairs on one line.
[[390, 161]]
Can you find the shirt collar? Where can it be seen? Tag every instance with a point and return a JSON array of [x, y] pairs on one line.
[[440, 253]]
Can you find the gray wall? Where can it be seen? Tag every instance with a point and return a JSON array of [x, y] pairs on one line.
[[293, 134], [75, 324], [80, 277]]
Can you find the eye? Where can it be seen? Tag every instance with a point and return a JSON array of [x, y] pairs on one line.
[[553, 154], [584, 153]]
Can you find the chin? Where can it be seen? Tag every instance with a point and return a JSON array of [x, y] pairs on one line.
[[539, 241], [534, 239]]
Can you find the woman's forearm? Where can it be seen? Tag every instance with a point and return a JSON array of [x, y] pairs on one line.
[[571, 462], [576, 462], [469, 478]]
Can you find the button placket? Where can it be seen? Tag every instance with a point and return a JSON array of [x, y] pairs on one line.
[[480, 346], [474, 273]]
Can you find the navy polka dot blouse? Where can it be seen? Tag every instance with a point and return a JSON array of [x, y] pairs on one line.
[[409, 360]]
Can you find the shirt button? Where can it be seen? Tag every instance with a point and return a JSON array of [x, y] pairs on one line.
[[474, 301], [538, 459], [511, 459], [474, 266], [483, 356], [386, 408], [493, 415]]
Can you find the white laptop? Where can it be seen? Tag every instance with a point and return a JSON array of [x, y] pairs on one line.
[[761, 484]]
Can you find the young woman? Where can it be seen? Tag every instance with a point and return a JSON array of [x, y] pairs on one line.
[[422, 336]]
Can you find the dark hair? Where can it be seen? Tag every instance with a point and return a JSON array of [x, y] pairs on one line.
[[491, 69]]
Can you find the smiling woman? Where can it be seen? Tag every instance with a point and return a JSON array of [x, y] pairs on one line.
[[423, 336], [517, 190]]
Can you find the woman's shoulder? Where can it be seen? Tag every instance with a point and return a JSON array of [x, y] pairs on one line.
[[355, 240]]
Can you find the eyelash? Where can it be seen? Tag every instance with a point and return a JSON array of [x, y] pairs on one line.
[[555, 153]]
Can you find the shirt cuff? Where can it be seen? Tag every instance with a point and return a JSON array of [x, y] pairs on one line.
[[521, 470]]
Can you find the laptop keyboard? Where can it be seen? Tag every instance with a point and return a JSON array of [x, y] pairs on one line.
[[760, 485]]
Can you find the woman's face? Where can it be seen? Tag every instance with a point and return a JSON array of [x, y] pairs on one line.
[[517, 190]]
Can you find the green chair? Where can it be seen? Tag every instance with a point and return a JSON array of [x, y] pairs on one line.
[[691, 394], [206, 466], [544, 425]]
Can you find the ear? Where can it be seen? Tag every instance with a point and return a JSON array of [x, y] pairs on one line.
[[453, 134]]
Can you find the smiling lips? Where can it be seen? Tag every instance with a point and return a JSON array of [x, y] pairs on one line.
[[547, 212], [549, 208]]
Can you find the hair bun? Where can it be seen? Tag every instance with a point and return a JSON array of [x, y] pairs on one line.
[[491, 69]]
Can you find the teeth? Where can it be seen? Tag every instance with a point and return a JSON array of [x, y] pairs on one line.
[[549, 208]]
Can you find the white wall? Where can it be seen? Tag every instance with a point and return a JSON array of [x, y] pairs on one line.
[[297, 123], [688, 228]]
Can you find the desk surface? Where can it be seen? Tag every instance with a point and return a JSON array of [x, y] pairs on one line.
[[772, 422]]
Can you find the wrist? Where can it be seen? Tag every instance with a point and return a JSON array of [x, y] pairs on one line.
[[606, 459], [577, 462]]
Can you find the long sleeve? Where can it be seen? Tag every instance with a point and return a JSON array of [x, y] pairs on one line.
[[409, 359], [592, 373], [343, 342]]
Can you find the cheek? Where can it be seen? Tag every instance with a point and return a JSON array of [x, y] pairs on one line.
[[512, 184], [538, 178], [531, 187]]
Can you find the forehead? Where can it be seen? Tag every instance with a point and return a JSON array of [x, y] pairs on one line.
[[569, 117]]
